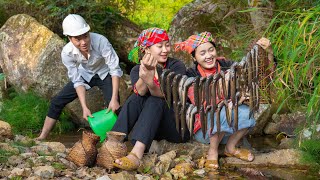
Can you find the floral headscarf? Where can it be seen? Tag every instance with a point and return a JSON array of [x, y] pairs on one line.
[[147, 38], [193, 42]]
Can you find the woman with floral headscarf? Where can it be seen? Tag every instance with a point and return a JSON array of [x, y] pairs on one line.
[[146, 115], [203, 50]]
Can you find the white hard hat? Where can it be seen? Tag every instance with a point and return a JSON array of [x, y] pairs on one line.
[[74, 25]]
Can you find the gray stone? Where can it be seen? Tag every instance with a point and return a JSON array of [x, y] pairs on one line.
[[271, 128], [15, 160], [45, 172], [277, 158], [55, 147]]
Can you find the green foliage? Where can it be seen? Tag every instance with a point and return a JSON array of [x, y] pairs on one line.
[[311, 152], [4, 155], [58, 166], [296, 36], [26, 113], [99, 14], [155, 13]]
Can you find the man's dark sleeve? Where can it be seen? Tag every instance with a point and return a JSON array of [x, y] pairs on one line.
[[134, 74]]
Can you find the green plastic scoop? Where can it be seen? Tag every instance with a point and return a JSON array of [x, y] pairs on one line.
[[102, 122]]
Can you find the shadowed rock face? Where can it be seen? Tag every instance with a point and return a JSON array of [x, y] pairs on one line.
[[30, 59], [218, 17]]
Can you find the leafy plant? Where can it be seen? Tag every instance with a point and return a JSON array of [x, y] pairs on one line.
[[311, 152], [4, 155], [155, 13], [295, 36], [26, 113]]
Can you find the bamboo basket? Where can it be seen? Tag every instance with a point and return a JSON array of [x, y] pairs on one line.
[[113, 148], [84, 152]]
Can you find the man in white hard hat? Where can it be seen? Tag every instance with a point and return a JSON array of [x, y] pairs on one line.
[[91, 61]]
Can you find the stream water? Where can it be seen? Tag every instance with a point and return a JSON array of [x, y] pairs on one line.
[[261, 144]]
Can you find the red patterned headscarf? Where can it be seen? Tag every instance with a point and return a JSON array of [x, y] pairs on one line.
[[193, 42], [147, 38]]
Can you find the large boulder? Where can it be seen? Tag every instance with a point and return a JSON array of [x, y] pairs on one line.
[[30, 58]]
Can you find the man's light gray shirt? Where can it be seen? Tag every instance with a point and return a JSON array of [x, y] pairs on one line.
[[102, 60]]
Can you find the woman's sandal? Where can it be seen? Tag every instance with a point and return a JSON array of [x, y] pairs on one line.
[[127, 164], [239, 153], [211, 164]]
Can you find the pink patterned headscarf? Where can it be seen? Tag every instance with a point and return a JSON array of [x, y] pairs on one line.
[[193, 42], [147, 38]]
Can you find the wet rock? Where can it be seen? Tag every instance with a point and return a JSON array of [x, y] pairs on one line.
[[34, 178], [105, 177], [252, 173], [289, 122], [69, 164], [41, 149], [7, 147], [142, 177], [263, 116], [4, 173], [192, 148], [199, 172], [148, 161], [181, 170], [83, 172], [284, 157], [124, 175], [286, 143], [165, 162], [5, 130], [25, 140], [20, 172], [166, 176], [271, 128], [45, 172], [97, 171], [15, 160], [28, 155], [61, 155], [55, 147]]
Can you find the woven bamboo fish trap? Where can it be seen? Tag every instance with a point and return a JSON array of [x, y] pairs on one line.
[[113, 148], [265, 70], [84, 152]]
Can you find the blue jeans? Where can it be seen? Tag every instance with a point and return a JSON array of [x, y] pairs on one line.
[[243, 122]]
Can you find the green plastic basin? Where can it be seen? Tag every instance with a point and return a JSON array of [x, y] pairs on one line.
[[102, 122]]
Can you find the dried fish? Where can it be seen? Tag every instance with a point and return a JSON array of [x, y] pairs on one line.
[[183, 120], [236, 112], [218, 123], [169, 88], [228, 112], [250, 84], [185, 88], [207, 90], [163, 80], [202, 108], [193, 118], [203, 121], [180, 88], [175, 96], [196, 92]]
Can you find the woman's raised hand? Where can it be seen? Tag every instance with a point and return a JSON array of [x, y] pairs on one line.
[[149, 61]]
